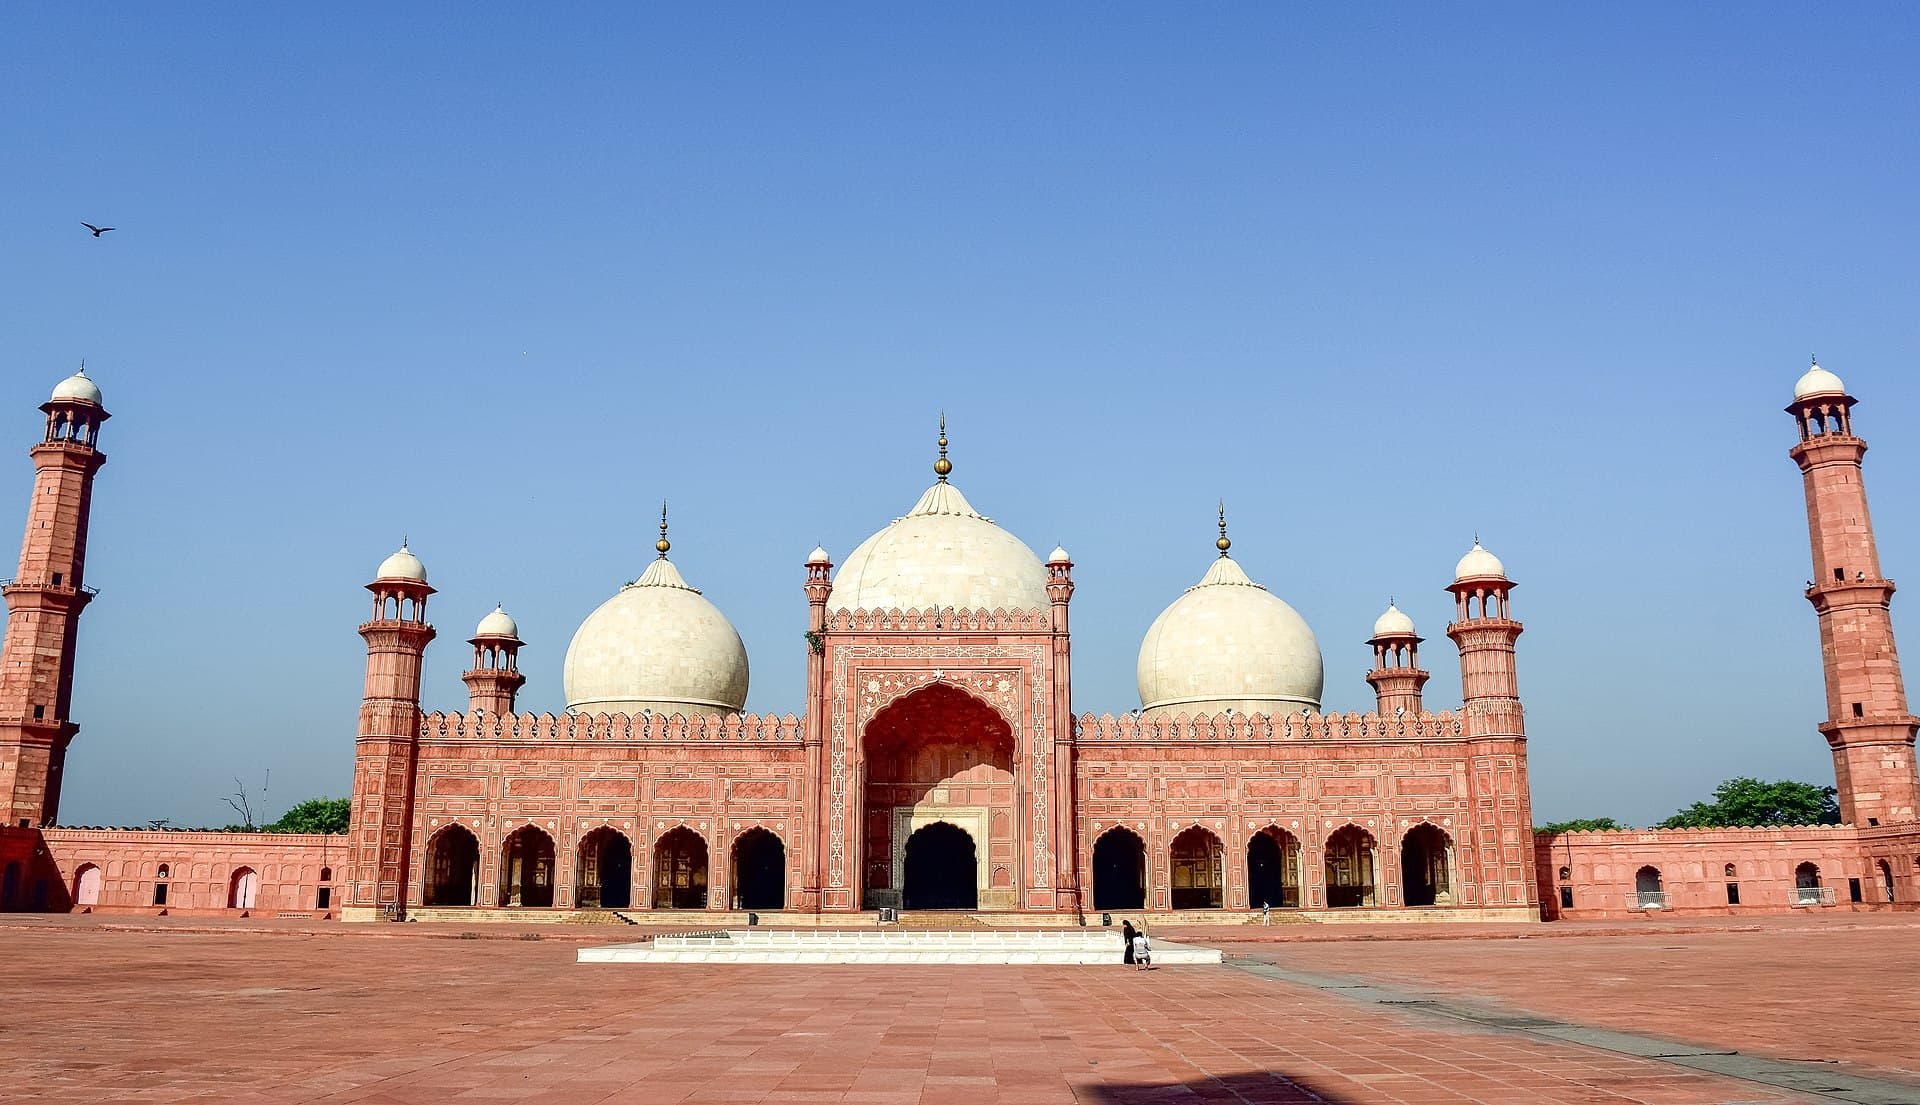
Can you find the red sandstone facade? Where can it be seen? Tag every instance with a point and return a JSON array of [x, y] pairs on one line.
[[939, 764]]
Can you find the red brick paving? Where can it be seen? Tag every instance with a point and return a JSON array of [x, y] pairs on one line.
[[384, 1015]]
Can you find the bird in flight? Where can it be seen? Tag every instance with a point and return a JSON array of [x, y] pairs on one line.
[[97, 230]]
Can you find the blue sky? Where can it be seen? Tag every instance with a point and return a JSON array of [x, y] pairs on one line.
[[503, 279]]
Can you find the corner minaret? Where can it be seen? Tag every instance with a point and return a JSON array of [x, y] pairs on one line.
[[1396, 676], [380, 838], [1868, 725], [44, 600], [495, 679], [1489, 686]]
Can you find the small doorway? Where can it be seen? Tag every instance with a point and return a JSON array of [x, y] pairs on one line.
[[1425, 854], [453, 867], [1119, 870], [86, 888], [10, 887], [759, 871], [680, 871], [1273, 870], [942, 869], [1649, 892], [243, 890], [527, 869], [605, 877], [1199, 872]]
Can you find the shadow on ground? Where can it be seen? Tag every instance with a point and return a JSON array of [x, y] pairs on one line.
[[1252, 1088]]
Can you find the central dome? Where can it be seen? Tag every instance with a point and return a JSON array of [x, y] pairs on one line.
[[656, 645], [1227, 643], [941, 553]]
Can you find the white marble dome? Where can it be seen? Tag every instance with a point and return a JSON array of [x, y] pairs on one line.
[[1479, 564], [1229, 644], [402, 565], [657, 645], [1393, 623], [941, 553], [1818, 381], [77, 386], [498, 624]]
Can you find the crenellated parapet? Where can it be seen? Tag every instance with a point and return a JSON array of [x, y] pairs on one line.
[[1258, 728], [759, 729], [944, 620]]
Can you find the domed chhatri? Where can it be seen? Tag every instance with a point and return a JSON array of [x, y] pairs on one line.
[[77, 387], [941, 553], [819, 555], [498, 624], [402, 565], [1479, 564], [1059, 555], [1227, 643], [1393, 623], [1817, 381], [656, 645]]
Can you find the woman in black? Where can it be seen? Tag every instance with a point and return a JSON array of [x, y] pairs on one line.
[[1126, 941]]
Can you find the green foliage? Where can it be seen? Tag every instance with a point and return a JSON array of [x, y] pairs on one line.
[[1581, 825], [315, 815], [1746, 802]]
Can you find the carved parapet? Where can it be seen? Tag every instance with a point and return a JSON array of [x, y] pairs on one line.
[[651, 728], [946, 620], [1263, 728]]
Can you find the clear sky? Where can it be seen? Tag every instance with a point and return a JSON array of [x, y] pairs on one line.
[[502, 278]]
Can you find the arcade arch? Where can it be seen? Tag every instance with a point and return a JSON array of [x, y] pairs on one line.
[[1426, 866], [1351, 866], [86, 885], [759, 870], [1273, 869], [1119, 870], [526, 869], [942, 868], [243, 888], [604, 877], [453, 867], [1198, 870], [680, 870]]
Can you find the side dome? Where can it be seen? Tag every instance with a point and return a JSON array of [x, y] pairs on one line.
[[657, 645], [402, 565], [77, 387], [1393, 623], [1818, 381], [1479, 564], [1227, 643], [941, 553]]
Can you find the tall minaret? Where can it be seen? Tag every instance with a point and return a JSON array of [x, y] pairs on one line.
[[1396, 676], [44, 601], [1868, 724], [1489, 687], [381, 838], [495, 679]]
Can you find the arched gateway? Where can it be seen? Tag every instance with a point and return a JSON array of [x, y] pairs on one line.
[[939, 803]]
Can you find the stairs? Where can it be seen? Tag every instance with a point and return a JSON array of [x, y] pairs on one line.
[[941, 919]]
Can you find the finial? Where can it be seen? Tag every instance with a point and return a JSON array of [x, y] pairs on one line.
[[663, 544], [83, 366], [403, 542], [1476, 539], [1815, 356], [1223, 544], [943, 466]]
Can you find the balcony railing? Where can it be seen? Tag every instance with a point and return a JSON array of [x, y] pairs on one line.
[[1650, 899], [1812, 895]]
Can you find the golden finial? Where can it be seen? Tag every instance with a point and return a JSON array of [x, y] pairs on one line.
[[663, 544], [1223, 544], [943, 466]]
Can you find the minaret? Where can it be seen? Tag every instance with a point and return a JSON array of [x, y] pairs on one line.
[[1489, 687], [1396, 676], [495, 678], [1066, 875], [44, 600], [1868, 724], [813, 855], [381, 836]]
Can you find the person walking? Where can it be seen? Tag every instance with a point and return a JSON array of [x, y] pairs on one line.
[[1127, 932], [1142, 950]]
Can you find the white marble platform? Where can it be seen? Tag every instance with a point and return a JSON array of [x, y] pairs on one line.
[[1074, 947]]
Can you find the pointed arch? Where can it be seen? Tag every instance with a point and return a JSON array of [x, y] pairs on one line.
[[1352, 866], [86, 885], [759, 868], [453, 867], [1119, 870], [1273, 869], [1426, 866], [1197, 870], [680, 869], [604, 870], [243, 888], [526, 869]]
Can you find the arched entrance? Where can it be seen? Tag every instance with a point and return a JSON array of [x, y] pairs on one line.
[[942, 869], [605, 870], [86, 886], [680, 870], [1119, 870], [453, 867], [1647, 888], [1886, 879], [1198, 876], [1426, 865], [1273, 869], [1350, 868], [243, 889], [759, 871], [526, 869]]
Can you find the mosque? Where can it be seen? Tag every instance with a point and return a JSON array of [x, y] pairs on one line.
[[937, 762]]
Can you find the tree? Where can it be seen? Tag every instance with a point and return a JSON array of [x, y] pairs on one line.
[[1746, 802], [242, 804], [315, 815], [1581, 825]]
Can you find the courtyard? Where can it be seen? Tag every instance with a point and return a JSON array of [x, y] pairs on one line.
[[140, 1009]]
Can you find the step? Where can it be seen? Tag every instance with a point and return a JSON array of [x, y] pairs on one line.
[[967, 946]]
